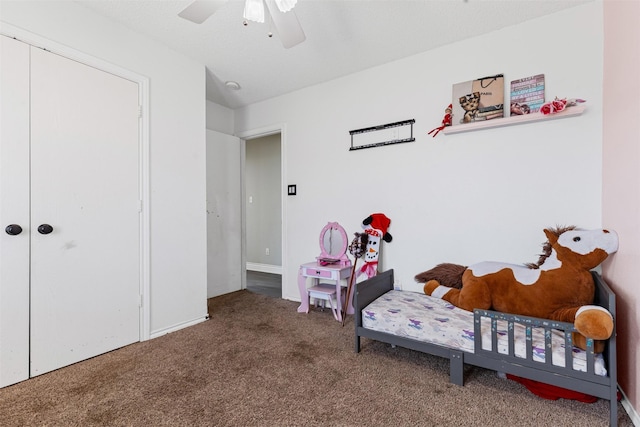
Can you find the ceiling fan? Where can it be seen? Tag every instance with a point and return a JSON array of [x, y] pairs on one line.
[[284, 19]]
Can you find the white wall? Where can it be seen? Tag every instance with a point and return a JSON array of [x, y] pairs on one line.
[[621, 184], [462, 198], [178, 270], [219, 118]]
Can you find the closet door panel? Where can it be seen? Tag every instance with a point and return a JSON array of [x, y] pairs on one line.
[[85, 273], [14, 209], [224, 214]]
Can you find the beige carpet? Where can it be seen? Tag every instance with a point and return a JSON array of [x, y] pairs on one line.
[[258, 362]]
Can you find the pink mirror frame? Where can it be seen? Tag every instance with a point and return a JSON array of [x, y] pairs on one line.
[[342, 259]]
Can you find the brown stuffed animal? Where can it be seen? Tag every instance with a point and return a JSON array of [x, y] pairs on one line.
[[446, 274], [559, 287]]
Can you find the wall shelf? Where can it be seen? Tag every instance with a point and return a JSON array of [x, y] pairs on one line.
[[514, 120]]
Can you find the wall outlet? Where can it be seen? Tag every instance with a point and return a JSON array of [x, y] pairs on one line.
[[266, 251]]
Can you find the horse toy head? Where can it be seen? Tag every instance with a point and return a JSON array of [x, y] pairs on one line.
[[584, 248], [558, 287]]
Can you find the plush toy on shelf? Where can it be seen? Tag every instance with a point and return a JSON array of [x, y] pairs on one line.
[[446, 121], [558, 287]]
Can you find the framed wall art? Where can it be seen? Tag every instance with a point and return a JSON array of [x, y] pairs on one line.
[[479, 99]]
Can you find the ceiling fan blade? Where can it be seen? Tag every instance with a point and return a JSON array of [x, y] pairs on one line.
[[200, 10], [287, 25]]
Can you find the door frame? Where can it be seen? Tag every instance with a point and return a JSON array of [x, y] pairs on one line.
[[143, 149], [279, 128]]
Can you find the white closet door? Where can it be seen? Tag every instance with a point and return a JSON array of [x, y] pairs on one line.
[[85, 275], [14, 210], [224, 214]]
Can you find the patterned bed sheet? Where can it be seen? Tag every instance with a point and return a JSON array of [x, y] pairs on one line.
[[424, 318]]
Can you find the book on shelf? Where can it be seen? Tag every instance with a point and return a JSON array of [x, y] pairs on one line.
[[490, 114], [527, 95], [489, 117]]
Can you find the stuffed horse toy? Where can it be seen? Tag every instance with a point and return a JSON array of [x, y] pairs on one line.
[[559, 287]]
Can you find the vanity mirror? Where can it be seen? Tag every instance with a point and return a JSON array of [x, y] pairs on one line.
[[333, 245]]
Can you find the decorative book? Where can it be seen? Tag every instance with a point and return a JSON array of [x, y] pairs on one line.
[[527, 95]]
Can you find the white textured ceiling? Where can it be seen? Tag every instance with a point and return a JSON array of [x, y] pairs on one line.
[[343, 37]]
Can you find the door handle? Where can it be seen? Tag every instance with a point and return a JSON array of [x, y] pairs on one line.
[[45, 229], [13, 229]]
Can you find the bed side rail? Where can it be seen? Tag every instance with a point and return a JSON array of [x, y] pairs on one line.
[[604, 296], [532, 325]]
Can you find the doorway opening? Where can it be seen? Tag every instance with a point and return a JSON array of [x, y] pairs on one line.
[[262, 208], [269, 284]]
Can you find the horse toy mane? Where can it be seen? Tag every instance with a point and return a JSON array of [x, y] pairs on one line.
[[547, 248], [558, 287]]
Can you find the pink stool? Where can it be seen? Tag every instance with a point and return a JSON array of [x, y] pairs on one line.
[[324, 292]]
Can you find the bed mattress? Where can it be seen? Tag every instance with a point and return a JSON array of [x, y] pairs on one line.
[[424, 318]]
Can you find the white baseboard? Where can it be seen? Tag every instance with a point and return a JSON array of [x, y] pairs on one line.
[[264, 268], [164, 331], [635, 418]]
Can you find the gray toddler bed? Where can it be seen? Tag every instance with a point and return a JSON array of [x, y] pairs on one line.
[[502, 342]]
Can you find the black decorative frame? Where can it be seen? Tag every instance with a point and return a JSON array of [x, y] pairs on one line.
[[379, 128]]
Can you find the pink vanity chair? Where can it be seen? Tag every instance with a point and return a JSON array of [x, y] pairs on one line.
[[334, 265]]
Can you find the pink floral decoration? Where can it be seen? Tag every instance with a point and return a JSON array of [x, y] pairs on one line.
[[554, 106], [558, 105]]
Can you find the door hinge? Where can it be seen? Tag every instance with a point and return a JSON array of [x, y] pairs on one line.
[[139, 111], [140, 301], [139, 205]]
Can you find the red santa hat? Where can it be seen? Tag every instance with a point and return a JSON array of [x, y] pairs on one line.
[[379, 221]]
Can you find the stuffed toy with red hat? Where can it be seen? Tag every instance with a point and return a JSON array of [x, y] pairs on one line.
[[446, 121], [375, 227]]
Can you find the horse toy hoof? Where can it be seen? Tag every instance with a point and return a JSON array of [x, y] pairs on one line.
[[594, 322]]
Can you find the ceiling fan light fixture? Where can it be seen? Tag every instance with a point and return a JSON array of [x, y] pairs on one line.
[[254, 10], [286, 5]]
